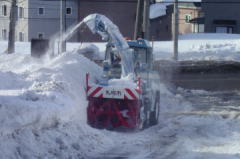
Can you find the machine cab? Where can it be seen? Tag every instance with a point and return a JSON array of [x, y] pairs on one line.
[[142, 59], [142, 55], [112, 63]]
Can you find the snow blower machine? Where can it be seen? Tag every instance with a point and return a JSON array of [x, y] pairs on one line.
[[125, 97]]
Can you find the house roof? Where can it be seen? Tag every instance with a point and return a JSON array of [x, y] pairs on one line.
[[200, 20]]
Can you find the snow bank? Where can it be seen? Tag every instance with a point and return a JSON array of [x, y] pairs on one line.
[[23, 46], [202, 46], [220, 47], [47, 92], [209, 36], [39, 98]]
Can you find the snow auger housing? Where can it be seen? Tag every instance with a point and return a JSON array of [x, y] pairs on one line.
[[123, 98]]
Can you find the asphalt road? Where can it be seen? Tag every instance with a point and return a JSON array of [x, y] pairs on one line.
[[204, 75]]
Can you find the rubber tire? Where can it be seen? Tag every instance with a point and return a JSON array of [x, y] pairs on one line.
[[154, 115], [145, 122]]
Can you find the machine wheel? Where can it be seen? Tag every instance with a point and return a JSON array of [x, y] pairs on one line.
[[145, 113], [154, 115]]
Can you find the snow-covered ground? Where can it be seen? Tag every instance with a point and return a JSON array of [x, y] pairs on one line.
[[43, 110], [220, 47]]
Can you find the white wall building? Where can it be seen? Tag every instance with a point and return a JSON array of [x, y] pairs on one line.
[[36, 18]]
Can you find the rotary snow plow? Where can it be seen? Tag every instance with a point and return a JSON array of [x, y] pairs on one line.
[[124, 97]]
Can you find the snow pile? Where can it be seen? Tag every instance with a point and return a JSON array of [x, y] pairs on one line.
[[220, 47], [90, 51], [39, 95], [43, 92], [210, 36]]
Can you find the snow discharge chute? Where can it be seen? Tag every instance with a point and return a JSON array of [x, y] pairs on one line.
[[99, 24]]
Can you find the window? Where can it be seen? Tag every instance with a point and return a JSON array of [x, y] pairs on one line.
[[221, 29], [21, 36], [224, 29], [20, 12], [187, 18], [201, 28], [69, 11], [40, 35], [4, 34], [40, 11], [4, 10]]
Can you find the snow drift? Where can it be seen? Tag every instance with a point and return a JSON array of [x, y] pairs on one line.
[[205, 46], [41, 93]]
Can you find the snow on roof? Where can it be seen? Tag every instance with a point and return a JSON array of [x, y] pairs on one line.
[[159, 9]]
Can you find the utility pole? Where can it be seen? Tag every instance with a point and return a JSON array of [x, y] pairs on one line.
[[146, 19], [12, 27], [175, 30], [142, 20], [62, 25], [138, 22]]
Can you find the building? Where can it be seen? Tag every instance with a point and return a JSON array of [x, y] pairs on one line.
[[187, 12], [41, 18], [36, 18], [221, 16], [162, 26], [122, 13]]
